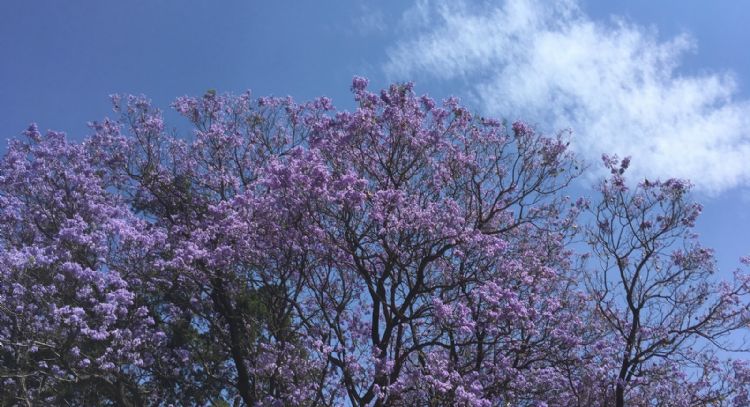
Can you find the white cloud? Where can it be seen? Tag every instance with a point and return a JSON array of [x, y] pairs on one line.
[[615, 84]]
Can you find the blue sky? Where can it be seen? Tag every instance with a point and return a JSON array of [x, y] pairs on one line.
[[667, 82]]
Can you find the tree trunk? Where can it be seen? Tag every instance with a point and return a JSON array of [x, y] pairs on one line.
[[223, 305], [620, 395]]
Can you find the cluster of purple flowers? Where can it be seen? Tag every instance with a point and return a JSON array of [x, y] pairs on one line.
[[405, 253]]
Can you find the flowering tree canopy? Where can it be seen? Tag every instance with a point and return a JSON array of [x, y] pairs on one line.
[[405, 253]]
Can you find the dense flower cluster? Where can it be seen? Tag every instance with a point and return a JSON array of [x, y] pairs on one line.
[[406, 253]]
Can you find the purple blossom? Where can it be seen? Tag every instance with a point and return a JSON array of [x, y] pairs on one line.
[[408, 252]]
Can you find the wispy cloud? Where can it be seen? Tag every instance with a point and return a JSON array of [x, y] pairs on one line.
[[616, 84], [369, 20]]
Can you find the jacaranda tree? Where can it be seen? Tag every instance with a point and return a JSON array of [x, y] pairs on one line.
[[405, 253]]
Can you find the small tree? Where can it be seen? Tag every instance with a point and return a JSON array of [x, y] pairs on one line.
[[72, 326], [654, 287]]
